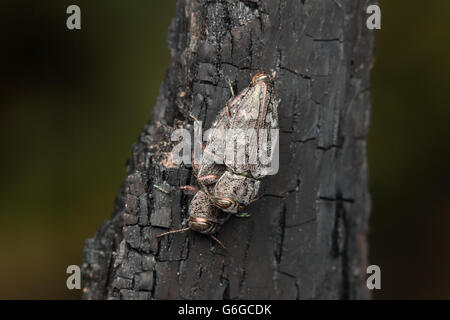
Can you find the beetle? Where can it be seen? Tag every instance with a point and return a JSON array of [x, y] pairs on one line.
[[227, 187]]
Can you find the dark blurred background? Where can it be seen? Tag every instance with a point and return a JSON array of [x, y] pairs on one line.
[[73, 102]]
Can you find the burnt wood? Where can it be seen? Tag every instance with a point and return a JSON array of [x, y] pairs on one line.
[[306, 238]]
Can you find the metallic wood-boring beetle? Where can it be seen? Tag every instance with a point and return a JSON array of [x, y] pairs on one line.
[[227, 187]]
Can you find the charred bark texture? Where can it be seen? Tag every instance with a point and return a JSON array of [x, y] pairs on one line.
[[306, 238]]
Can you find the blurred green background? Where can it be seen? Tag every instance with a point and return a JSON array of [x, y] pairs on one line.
[[73, 102]]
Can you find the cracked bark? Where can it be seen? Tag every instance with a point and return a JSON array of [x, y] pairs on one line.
[[306, 238]]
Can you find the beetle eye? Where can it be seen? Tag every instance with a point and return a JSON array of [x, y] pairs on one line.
[[224, 203], [241, 207]]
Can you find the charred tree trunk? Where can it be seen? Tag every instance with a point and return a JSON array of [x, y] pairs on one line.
[[306, 238]]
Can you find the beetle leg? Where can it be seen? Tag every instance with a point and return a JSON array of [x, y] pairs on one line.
[[230, 85], [173, 231], [228, 111], [159, 188], [189, 189], [208, 179], [243, 215], [219, 242], [193, 117]]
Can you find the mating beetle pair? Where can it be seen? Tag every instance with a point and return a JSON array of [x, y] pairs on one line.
[[227, 187]]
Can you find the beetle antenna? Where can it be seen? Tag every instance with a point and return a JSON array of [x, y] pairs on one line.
[[218, 241], [173, 231]]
